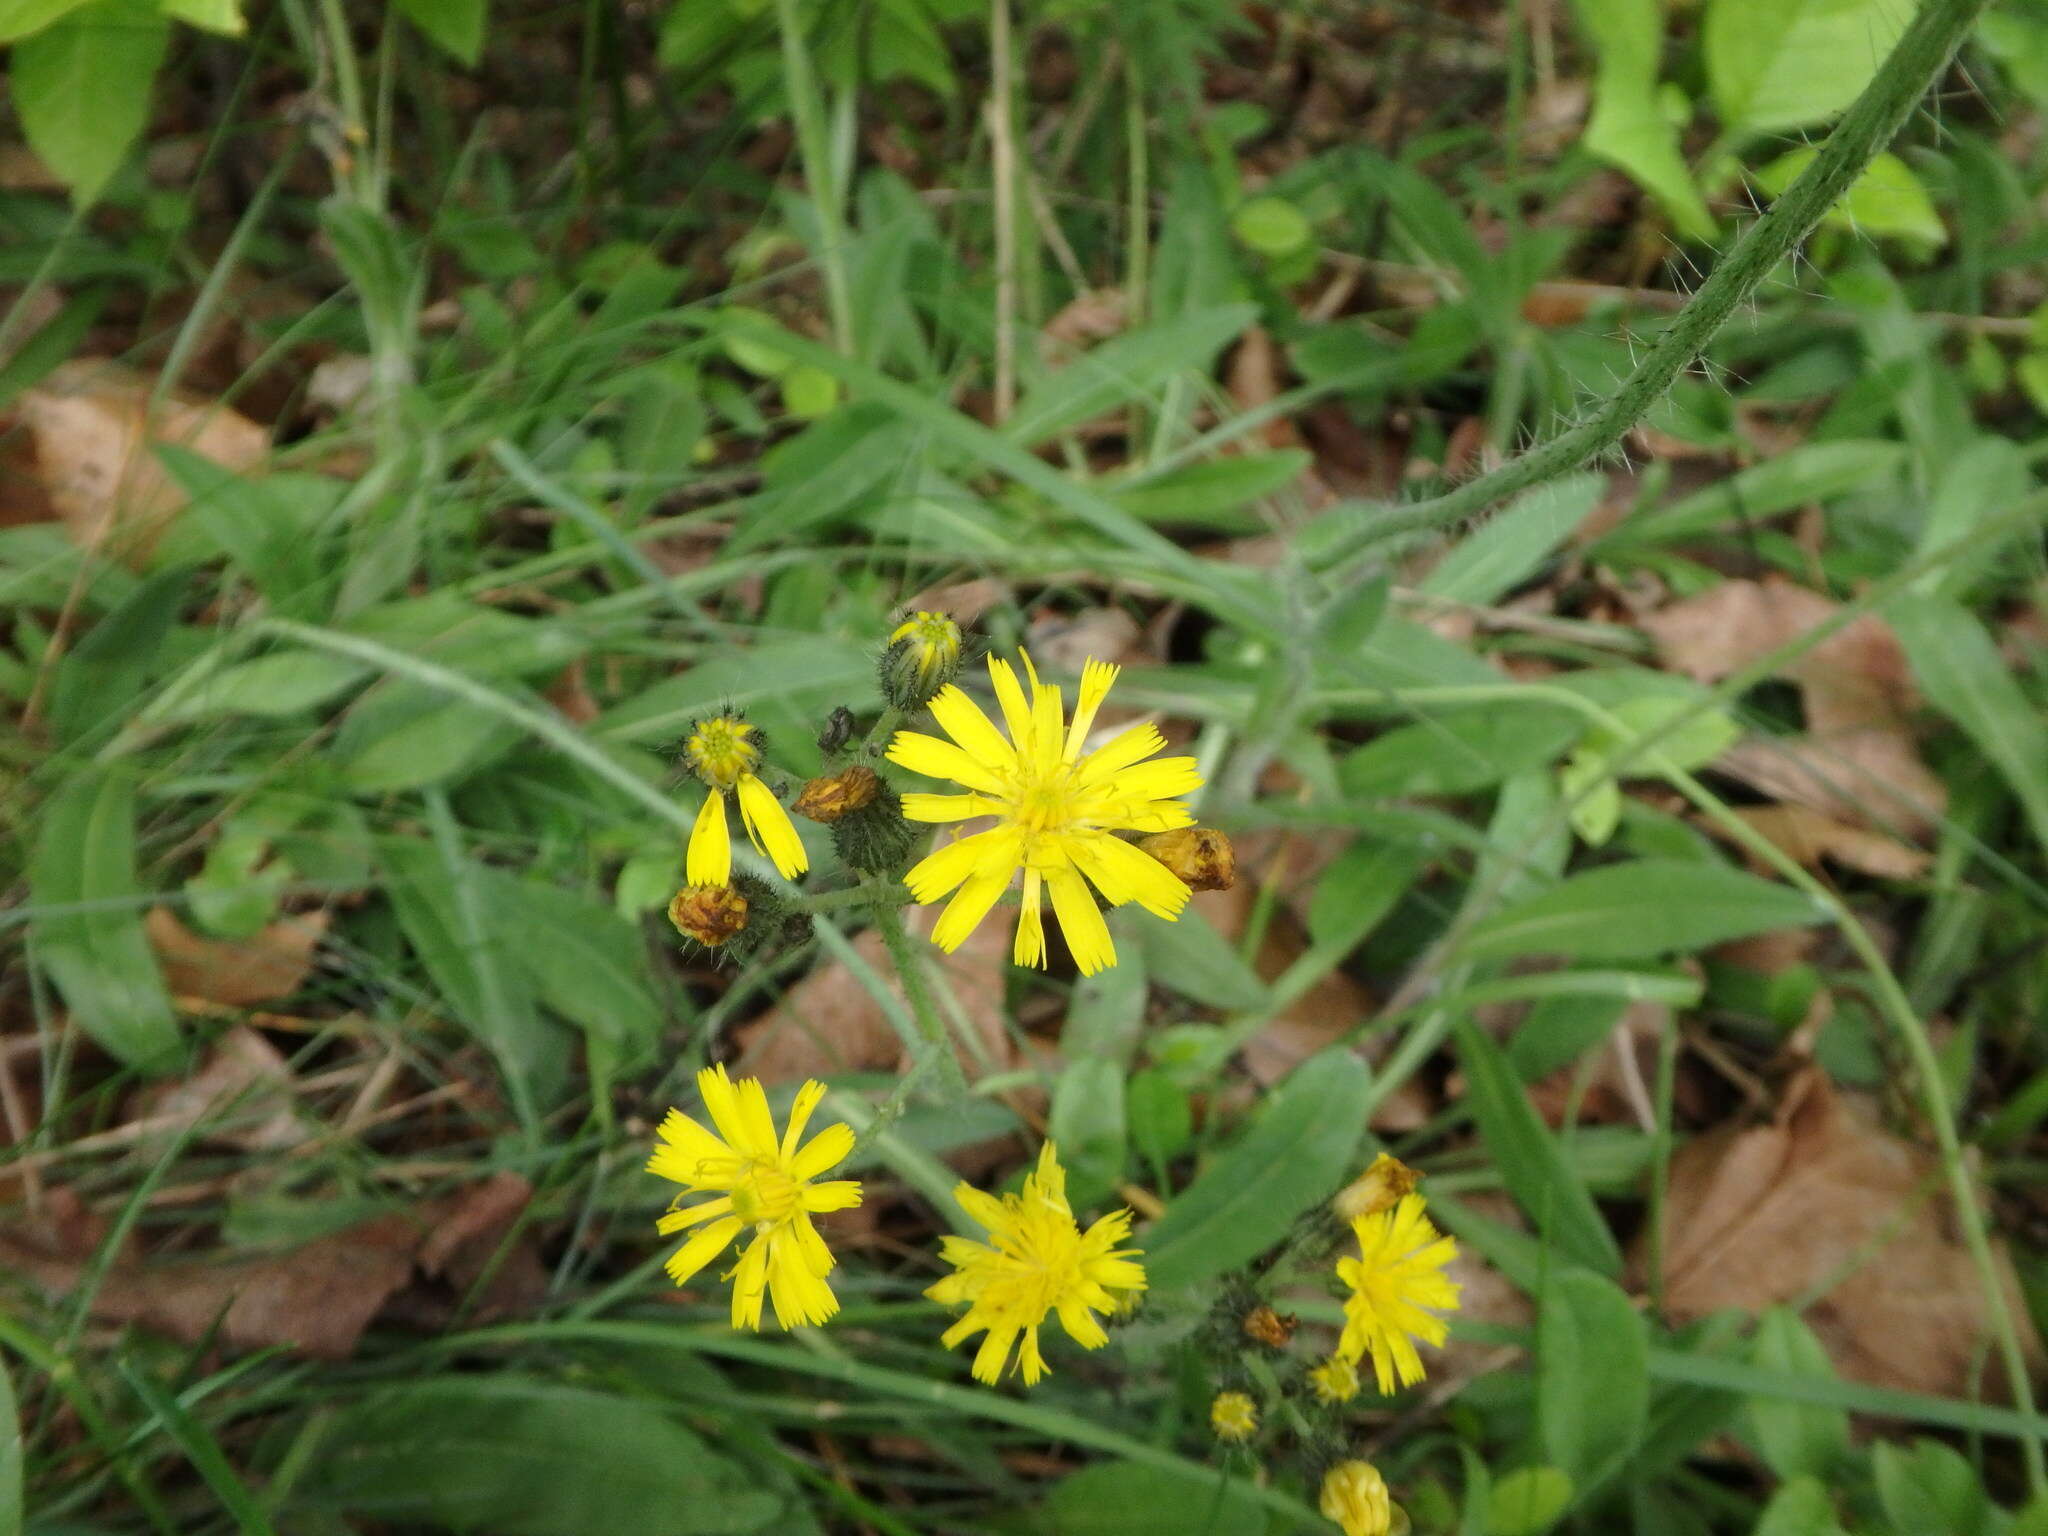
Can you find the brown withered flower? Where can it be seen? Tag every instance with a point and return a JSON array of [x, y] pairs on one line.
[[1272, 1329], [839, 794], [1201, 856], [710, 914], [1381, 1187]]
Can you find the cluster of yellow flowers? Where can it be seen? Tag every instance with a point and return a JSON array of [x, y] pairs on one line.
[[764, 1190]]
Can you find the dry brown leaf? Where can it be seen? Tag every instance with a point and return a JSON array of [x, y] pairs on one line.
[[87, 423], [1857, 760], [235, 973], [1091, 317], [241, 1096], [1822, 1201], [1802, 833]]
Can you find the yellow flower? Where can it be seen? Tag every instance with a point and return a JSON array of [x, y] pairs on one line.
[[1355, 1496], [1399, 1272], [724, 751], [1234, 1417], [1335, 1380], [762, 1185], [1037, 1261], [1057, 813]]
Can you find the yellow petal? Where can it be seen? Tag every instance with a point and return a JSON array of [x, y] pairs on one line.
[[676, 1221], [983, 853], [832, 1195], [710, 858], [1161, 779], [1029, 948], [920, 807], [961, 718], [1123, 873], [1119, 752], [800, 1110], [701, 1249], [1016, 706], [799, 1294], [823, 1151], [968, 907], [995, 1349], [938, 759], [984, 1207], [1081, 1325], [770, 827], [1081, 921], [750, 1285], [1045, 728], [739, 1110], [1096, 678], [685, 1145]]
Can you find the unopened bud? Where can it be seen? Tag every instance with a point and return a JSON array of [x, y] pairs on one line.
[[1380, 1188], [839, 794], [1270, 1328], [875, 839], [923, 656], [710, 914], [1200, 856], [1334, 1381]]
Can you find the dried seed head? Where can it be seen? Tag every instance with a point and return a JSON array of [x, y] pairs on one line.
[[828, 799], [710, 914], [1270, 1328], [1200, 856]]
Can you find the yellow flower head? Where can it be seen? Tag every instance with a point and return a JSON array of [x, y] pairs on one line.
[[931, 641], [1335, 1380], [1355, 1496], [724, 751], [1398, 1272], [1234, 1417], [1037, 1261], [1057, 813], [764, 1197]]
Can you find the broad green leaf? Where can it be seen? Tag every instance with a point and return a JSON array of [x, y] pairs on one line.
[[1359, 888], [1161, 1119], [1295, 1156], [782, 682], [81, 88], [1190, 957], [19, 18], [1628, 127], [1460, 751], [1132, 368], [1986, 479], [97, 955], [1886, 200], [1507, 549], [1214, 493], [1776, 64], [1527, 1501], [408, 736], [1962, 675], [222, 16], [1087, 1120], [457, 26], [269, 687], [1810, 472], [1592, 1375], [517, 1455], [99, 680], [1639, 910], [1797, 1439], [1527, 1155], [1128, 1498], [588, 964], [1106, 1013], [1802, 1507], [11, 1498], [265, 526], [1272, 226], [1932, 1491]]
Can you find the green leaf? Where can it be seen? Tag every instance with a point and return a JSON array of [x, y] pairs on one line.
[[1932, 1491], [1528, 1501], [1527, 1155], [1460, 751], [1641, 909], [1811, 472], [1161, 1120], [19, 18], [1628, 127], [1592, 1375], [517, 1455], [1272, 226], [1961, 674], [1802, 1507], [1087, 1120], [1508, 548], [222, 16], [1133, 367], [97, 956], [1797, 1439], [456, 26], [82, 85], [1297, 1155], [1214, 493], [1190, 957], [99, 680], [408, 737], [1128, 1498], [1359, 888], [11, 1496], [1887, 200], [588, 965], [1776, 64], [809, 393]]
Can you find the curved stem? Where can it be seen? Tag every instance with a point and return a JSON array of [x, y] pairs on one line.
[[1912, 66], [909, 964]]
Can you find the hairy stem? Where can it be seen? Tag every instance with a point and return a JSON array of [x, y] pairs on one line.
[[1918, 60]]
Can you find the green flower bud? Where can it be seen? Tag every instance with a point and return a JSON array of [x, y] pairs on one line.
[[875, 839], [923, 656]]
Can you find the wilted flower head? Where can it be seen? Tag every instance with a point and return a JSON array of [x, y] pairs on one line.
[[710, 914], [839, 794], [1384, 1184], [1037, 1261], [1201, 857], [1270, 1328]]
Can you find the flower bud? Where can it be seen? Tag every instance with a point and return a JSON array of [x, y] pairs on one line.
[[837, 795], [1355, 1496], [923, 656], [1381, 1187], [1234, 1417], [1335, 1380], [1200, 856], [1270, 1328], [875, 839], [710, 914]]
